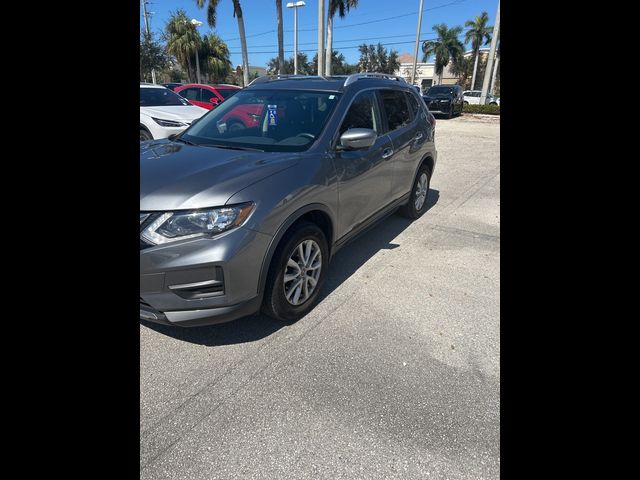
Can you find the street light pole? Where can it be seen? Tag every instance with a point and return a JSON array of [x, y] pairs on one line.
[[492, 53], [146, 25], [197, 24], [295, 32], [415, 55], [320, 37]]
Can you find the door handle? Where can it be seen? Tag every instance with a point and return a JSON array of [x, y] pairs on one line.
[[418, 136], [387, 152]]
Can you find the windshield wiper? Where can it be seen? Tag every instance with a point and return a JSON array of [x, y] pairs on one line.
[[230, 147], [185, 141]]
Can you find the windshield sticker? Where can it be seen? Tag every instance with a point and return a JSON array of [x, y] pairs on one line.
[[272, 112]]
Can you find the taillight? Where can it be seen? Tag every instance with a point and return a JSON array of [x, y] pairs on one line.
[[432, 120]]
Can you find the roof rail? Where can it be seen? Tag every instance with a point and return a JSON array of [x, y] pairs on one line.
[[269, 78], [358, 76]]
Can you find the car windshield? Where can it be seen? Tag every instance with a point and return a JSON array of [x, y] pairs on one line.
[[269, 120], [439, 90], [227, 92], [160, 97]]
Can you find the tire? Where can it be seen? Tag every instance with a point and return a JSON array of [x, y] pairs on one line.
[[450, 114], [466, 103], [280, 297], [235, 126], [145, 135], [415, 209]]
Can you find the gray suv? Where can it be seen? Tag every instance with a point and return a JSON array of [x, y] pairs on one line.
[[243, 210]]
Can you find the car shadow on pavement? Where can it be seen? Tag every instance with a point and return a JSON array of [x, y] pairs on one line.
[[345, 263]]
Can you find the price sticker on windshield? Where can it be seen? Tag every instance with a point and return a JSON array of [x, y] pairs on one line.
[[272, 114]]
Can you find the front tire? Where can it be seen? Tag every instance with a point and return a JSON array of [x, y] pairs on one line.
[[417, 204], [296, 274], [145, 135]]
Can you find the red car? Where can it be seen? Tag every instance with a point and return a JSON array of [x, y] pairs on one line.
[[206, 96]]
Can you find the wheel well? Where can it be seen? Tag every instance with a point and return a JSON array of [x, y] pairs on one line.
[[428, 161], [321, 219], [142, 127]]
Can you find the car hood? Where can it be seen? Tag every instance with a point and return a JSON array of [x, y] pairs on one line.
[[186, 113], [176, 176]]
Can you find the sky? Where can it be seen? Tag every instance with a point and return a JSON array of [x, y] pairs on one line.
[[391, 22]]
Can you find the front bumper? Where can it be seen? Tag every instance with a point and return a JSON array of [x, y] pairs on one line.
[[202, 281], [439, 107]]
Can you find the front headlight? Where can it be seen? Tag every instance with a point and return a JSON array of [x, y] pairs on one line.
[[173, 226], [169, 123]]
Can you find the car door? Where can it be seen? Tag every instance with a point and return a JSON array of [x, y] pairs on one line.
[[365, 175], [405, 135], [212, 97], [194, 95]]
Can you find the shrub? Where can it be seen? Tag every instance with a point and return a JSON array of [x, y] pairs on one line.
[[486, 109]]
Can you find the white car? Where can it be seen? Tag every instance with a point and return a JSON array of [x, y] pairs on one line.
[[472, 97], [163, 112]]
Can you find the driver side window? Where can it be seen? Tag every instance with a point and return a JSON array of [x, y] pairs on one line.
[[363, 113]]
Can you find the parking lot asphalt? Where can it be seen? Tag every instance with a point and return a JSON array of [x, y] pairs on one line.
[[395, 374]]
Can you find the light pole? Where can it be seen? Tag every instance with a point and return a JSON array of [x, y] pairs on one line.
[[295, 6], [492, 52], [415, 57], [320, 37], [197, 24], [146, 25]]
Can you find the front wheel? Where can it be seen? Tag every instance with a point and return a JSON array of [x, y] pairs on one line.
[[145, 135], [417, 204], [296, 274]]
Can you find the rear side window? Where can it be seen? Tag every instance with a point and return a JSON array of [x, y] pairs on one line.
[[414, 106], [191, 94], [396, 108], [363, 113]]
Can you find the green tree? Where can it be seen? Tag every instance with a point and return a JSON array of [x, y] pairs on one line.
[[447, 49], [478, 33], [214, 58], [339, 65], [212, 6], [341, 7], [304, 68], [183, 40], [152, 56], [375, 58]]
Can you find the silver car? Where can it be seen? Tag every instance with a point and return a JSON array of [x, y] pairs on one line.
[[243, 211]]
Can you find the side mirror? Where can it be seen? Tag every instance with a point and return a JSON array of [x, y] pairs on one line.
[[214, 100], [358, 138]]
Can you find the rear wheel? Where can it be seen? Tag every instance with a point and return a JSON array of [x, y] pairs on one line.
[[417, 204], [296, 274]]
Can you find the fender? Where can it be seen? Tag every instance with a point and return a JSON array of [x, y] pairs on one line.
[[275, 241]]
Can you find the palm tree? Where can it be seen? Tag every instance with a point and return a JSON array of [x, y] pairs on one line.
[[183, 40], [216, 57], [478, 31], [341, 7], [446, 48], [280, 37], [212, 6]]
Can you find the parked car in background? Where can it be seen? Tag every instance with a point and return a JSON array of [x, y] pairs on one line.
[[446, 99], [472, 97], [235, 221], [206, 96], [172, 86], [163, 112]]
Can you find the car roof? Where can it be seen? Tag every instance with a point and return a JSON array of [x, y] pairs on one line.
[[334, 83], [204, 85], [151, 85]]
